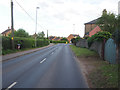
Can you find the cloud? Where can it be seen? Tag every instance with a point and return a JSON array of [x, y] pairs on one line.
[[58, 16]]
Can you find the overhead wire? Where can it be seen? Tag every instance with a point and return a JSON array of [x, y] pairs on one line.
[[28, 14]]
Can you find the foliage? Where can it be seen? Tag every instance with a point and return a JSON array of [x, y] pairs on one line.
[[116, 36], [108, 76], [75, 40], [108, 22], [20, 33], [64, 39], [24, 42], [57, 41], [100, 36], [41, 35]]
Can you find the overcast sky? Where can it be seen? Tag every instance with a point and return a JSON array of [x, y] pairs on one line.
[[56, 16]]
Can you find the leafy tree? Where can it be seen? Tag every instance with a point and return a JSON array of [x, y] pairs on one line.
[[41, 35], [100, 36], [64, 39], [75, 40], [20, 33], [108, 22]]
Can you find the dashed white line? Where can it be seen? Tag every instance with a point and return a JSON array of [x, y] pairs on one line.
[[11, 85], [52, 53], [43, 60]]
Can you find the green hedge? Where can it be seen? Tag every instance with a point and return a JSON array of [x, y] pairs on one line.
[[57, 41], [25, 42]]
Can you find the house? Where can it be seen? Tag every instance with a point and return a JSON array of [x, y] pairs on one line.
[[94, 31], [6, 32], [71, 36], [89, 26], [51, 37], [54, 38]]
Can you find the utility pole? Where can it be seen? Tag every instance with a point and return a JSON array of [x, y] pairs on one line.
[[12, 27]]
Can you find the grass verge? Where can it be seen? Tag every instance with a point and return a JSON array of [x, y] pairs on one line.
[[102, 74], [82, 51], [9, 51]]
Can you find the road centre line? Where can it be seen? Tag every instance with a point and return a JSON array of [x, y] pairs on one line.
[[52, 53], [11, 85], [43, 60]]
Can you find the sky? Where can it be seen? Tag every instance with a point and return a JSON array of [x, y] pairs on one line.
[[59, 17]]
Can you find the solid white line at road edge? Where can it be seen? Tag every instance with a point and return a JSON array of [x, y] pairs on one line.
[[11, 85], [43, 60]]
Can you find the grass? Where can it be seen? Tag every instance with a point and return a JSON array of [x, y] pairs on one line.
[[105, 77], [82, 51]]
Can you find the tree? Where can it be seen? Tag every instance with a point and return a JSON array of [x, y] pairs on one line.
[[64, 39], [41, 35], [108, 22], [20, 33]]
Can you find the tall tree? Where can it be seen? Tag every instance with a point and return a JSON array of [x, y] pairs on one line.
[[41, 35], [108, 22], [20, 33]]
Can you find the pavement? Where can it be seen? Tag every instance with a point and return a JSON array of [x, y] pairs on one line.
[[13, 55], [51, 67]]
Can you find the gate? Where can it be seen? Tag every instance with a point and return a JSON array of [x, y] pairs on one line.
[[110, 51]]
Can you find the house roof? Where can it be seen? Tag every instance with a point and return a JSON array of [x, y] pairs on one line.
[[6, 31], [57, 38], [93, 21], [51, 37], [75, 35], [94, 31]]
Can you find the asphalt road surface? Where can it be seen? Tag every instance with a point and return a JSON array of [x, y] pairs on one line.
[[52, 67]]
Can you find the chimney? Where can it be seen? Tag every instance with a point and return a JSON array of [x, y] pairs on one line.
[[104, 11], [119, 8], [8, 27]]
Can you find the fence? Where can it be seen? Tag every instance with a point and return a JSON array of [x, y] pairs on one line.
[[110, 51]]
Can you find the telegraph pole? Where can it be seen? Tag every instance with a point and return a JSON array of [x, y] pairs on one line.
[[12, 27]]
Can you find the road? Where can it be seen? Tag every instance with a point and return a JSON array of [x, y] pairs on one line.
[[52, 67]]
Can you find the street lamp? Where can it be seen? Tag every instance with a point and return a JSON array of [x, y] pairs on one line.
[[36, 27]]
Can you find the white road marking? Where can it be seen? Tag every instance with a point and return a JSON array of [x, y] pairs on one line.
[[43, 60], [11, 85], [52, 53]]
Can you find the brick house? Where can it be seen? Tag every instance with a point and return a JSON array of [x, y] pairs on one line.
[[71, 36], [89, 26], [54, 38], [94, 31], [6, 32]]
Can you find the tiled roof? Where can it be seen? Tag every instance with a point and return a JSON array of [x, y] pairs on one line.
[[6, 31], [93, 21], [75, 35], [57, 38], [94, 31]]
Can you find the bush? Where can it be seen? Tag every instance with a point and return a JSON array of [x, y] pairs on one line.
[[75, 40], [100, 36], [57, 41], [25, 43]]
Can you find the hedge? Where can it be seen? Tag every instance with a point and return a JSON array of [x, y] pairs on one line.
[[57, 41], [24, 42]]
